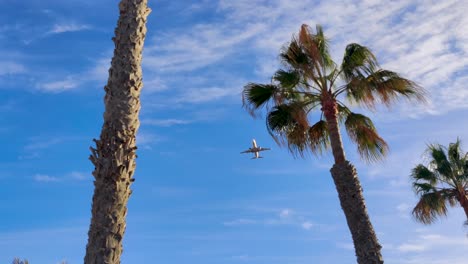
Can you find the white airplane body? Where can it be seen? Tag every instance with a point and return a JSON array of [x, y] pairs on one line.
[[255, 150]]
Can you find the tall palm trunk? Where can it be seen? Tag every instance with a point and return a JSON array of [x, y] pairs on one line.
[[349, 190], [114, 156]]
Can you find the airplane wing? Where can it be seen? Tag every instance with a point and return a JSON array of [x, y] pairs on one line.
[[247, 151], [262, 149], [254, 143]]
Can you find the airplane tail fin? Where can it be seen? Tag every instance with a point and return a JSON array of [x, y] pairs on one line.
[[257, 158]]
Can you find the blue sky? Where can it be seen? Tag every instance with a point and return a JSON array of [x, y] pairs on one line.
[[195, 199]]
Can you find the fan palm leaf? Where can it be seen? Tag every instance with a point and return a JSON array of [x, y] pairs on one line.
[[440, 183], [362, 131]]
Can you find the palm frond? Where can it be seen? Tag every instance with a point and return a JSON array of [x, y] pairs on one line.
[[343, 112], [422, 173], [386, 86], [323, 46], [422, 188], [293, 56], [440, 162], [279, 120], [284, 118], [297, 140], [454, 156], [287, 79], [358, 62], [430, 206], [450, 197], [255, 96], [361, 130], [310, 46], [319, 139]]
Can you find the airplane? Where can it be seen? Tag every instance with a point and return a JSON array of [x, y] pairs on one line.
[[254, 149]]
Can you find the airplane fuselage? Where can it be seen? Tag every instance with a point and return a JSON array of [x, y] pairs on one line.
[[255, 149]]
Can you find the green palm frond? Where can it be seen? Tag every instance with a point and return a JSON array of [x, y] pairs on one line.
[[430, 206], [323, 46], [440, 162], [319, 139], [343, 112], [283, 117], [361, 130], [289, 126], [279, 120], [422, 173], [423, 188], [293, 56], [297, 141], [454, 156], [287, 79], [386, 86], [358, 62], [255, 96]]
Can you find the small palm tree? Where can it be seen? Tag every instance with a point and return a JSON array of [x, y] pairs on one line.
[[444, 181], [19, 261], [311, 80]]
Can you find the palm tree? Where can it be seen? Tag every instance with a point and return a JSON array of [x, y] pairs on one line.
[[114, 155], [19, 261], [311, 80], [443, 182]]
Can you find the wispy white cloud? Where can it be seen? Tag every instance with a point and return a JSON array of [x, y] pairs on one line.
[[39, 142], [285, 213], [203, 95], [154, 85], [397, 31], [45, 178], [10, 67], [347, 246], [197, 47], [165, 122], [68, 27], [307, 225], [147, 139], [285, 217], [432, 241], [59, 86], [241, 257], [239, 222], [405, 247], [80, 176]]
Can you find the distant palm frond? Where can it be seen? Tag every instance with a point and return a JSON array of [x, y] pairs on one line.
[[443, 182]]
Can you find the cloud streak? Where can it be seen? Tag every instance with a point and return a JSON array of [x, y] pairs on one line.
[[67, 27]]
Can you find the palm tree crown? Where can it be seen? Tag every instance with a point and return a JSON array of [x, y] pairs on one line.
[[311, 80], [444, 181]]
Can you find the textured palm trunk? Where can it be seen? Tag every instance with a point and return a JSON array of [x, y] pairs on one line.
[[463, 199], [114, 156], [349, 189]]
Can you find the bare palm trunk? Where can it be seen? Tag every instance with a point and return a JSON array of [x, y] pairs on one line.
[[349, 189], [114, 156]]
